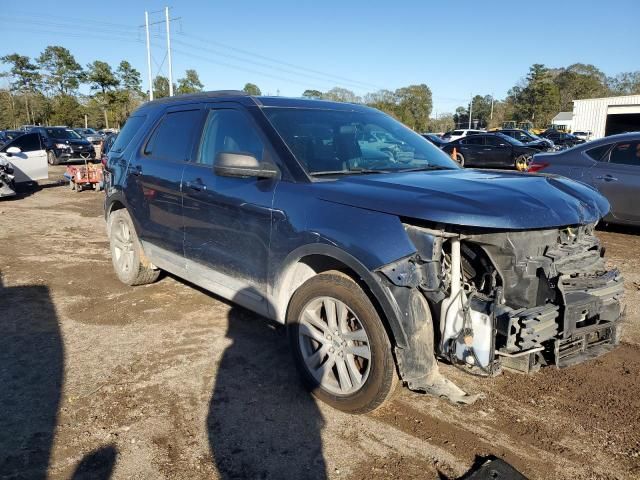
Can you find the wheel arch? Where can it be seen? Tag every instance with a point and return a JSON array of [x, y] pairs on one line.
[[311, 260]]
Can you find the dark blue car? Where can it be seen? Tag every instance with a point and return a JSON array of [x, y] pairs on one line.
[[378, 252]]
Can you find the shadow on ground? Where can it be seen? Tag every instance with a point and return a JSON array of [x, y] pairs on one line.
[[31, 380], [262, 423]]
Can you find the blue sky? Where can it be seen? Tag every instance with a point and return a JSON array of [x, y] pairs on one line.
[[457, 48]]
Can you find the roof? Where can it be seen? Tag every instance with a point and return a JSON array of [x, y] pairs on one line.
[[261, 101], [563, 116]]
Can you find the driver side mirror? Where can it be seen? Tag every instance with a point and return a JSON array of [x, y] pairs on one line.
[[11, 150], [243, 165]]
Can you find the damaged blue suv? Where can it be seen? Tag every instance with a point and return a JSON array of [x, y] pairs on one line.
[[380, 254]]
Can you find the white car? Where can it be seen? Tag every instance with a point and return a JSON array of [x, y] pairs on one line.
[[584, 135], [456, 134], [27, 157]]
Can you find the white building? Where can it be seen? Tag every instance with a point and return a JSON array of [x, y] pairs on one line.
[[607, 116], [564, 120]]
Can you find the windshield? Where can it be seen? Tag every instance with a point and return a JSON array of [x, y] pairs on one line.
[[62, 133], [86, 131], [347, 142]]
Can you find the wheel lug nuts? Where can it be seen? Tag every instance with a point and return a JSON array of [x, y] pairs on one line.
[[328, 336], [331, 350]]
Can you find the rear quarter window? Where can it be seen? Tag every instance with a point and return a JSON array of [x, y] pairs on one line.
[[598, 153], [131, 127]]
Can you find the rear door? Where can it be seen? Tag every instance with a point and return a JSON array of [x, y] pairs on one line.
[[154, 180], [31, 163], [471, 148], [227, 220], [497, 152], [618, 179]]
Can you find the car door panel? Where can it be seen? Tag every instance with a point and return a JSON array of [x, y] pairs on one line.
[[618, 179], [227, 220]]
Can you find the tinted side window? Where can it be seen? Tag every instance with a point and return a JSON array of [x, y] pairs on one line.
[[598, 152], [473, 140], [171, 140], [495, 141], [29, 142], [229, 131], [130, 128], [627, 153]]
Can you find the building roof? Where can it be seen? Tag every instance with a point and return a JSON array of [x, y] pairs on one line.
[[563, 116]]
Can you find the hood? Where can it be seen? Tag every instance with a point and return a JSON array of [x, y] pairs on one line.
[[467, 197]]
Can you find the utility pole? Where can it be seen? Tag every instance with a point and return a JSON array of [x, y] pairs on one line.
[[146, 25], [491, 116], [470, 111], [166, 17], [86, 122]]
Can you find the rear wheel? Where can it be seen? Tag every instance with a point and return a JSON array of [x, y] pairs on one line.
[[127, 255], [459, 159], [52, 159], [340, 345]]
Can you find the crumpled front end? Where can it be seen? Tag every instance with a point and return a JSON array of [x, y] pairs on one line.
[[513, 299]]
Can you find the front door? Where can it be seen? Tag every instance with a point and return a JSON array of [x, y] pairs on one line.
[[619, 180], [154, 181], [30, 163], [227, 221], [497, 152]]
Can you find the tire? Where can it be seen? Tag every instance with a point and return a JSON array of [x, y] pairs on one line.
[[127, 256], [521, 163], [52, 159], [368, 383], [459, 159]]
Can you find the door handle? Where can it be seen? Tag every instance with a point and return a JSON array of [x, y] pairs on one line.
[[197, 185], [607, 178]]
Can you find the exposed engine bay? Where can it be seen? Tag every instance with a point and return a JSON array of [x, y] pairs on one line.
[[514, 299]]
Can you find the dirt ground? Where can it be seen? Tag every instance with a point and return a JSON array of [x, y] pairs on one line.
[[168, 381]]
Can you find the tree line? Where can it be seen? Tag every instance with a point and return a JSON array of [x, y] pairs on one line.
[[45, 90], [543, 93]]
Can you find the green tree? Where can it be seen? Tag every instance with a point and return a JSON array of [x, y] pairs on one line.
[[66, 110], [539, 100], [312, 94], [414, 106], [384, 100], [579, 81], [252, 89], [625, 83], [101, 77], [63, 73], [24, 80], [129, 77], [190, 83], [339, 94], [160, 87]]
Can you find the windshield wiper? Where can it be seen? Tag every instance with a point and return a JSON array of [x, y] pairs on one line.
[[423, 169], [345, 172]]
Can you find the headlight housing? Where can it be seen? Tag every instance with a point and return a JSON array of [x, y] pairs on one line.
[[61, 145]]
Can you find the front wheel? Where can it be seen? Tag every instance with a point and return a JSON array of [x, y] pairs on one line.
[[52, 159], [522, 163], [340, 345]]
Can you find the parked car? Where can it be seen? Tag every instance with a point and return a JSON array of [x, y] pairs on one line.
[[435, 139], [611, 165], [561, 139], [490, 150], [361, 247], [63, 144], [7, 135], [530, 139], [583, 135], [23, 159], [456, 134], [90, 134], [106, 146]]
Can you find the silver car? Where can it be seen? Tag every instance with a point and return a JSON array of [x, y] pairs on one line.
[[611, 165], [90, 134]]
